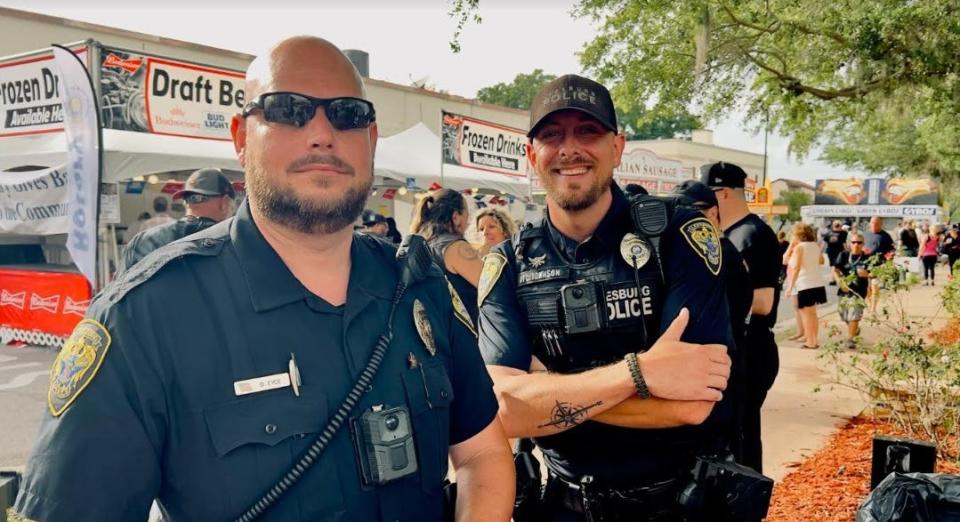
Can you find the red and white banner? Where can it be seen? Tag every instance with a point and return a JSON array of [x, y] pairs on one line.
[[48, 302], [657, 175], [483, 145]]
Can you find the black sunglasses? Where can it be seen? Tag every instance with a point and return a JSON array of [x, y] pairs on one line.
[[290, 108], [856, 242]]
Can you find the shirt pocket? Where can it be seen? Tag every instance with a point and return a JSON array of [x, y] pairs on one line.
[[429, 394], [262, 437]]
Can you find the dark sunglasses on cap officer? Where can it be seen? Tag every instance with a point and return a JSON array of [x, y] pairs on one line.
[[295, 109]]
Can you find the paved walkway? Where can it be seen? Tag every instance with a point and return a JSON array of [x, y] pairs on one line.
[[797, 421]]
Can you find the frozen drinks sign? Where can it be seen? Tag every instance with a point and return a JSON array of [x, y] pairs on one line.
[[30, 95], [478, 144], [149, 94], [650, 171]]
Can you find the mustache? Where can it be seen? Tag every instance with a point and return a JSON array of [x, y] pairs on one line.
[[317, 159]]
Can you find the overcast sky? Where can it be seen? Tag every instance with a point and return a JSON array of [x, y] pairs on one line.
[[407, 41]]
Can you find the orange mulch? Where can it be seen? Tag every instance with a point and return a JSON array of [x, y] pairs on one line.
[[949, 334], [830, 485]]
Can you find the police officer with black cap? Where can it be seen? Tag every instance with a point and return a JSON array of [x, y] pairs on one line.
[[277, 366], [758, 245], [739, 296], [209, 197], [606, 336]]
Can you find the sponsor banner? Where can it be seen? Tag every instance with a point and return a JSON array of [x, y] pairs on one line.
[[865, 211], [876, 191], [149, 94], [49, 302], [34, 202], [482, 145], [30, 97], [82, 130]]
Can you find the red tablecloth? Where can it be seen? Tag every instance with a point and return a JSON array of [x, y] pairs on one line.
[[51, 302]]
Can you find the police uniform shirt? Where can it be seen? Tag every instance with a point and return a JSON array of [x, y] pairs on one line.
[[151, 239], [151, 375], [760, 250], [614, 455]]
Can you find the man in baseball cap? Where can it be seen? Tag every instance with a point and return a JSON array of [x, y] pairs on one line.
[[208, 195], [760, 249], [526, 286], [373, 223]]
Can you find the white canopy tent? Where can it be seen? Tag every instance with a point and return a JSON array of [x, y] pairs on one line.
[[125, 154], [415, 153]]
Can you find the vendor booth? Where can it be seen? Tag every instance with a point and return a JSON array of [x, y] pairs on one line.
[[160, 119]]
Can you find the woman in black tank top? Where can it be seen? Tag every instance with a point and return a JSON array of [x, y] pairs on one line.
[[442, 218]]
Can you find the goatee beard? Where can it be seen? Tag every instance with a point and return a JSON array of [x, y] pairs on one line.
[[283, 206]]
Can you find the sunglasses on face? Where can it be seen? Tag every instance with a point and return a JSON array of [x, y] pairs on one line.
[[296, 110], [856, 242]]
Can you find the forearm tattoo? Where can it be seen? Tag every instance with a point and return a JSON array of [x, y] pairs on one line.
[[566, 415]]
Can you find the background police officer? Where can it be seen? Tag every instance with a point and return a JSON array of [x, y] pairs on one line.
[[201, 377], [209, 197], [578, 296], [758, 245], [739, 297]]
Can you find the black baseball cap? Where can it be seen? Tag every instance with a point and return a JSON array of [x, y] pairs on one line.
[[697, 193], [206, 182], [371, 218], [722, 174], [576, 93]]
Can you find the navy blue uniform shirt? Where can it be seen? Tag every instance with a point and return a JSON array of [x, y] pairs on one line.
[[157, 415], [616, 455]]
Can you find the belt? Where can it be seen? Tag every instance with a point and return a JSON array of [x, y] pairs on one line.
[[608, 503]]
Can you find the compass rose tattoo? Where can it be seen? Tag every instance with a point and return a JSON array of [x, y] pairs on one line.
[[566, 415]]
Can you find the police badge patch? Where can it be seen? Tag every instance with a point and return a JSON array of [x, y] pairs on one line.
[[493, 264], [422, 321], [460, 309], [77, 364], [705, 242]]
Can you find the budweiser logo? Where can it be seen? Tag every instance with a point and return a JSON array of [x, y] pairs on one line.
[[130, 65], [44, 303], [18, 299], [75, 307]]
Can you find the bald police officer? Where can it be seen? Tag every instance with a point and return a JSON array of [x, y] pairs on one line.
[[209, 197], [604, 342], [204, 376]]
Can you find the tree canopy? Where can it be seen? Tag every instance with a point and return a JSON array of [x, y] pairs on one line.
[[874, 82], [636, 122]]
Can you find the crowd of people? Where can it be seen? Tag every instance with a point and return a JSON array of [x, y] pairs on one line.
[[318, 366]]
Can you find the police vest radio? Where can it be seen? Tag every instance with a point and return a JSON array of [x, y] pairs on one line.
[[582, 310], [650, 216], [385, 446]]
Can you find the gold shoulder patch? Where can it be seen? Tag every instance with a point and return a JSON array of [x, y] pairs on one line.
[[77, 364], [493, 264], [460, 309], [705, 241]]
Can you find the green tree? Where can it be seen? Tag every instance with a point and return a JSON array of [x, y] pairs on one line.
[[822, 73], [636, 123], [793, 199], [517, 94]]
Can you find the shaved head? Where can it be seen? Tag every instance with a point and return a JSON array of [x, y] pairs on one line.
[[315, 178], [298, 53]]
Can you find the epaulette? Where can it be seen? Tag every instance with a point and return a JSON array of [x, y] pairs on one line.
[[207, 242]]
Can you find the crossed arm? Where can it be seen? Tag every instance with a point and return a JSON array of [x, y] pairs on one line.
[[687, 379]]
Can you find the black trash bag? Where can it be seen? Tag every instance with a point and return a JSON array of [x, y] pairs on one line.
[[913, 497]]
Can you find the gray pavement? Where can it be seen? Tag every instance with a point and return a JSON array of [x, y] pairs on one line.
[[23, 391]]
